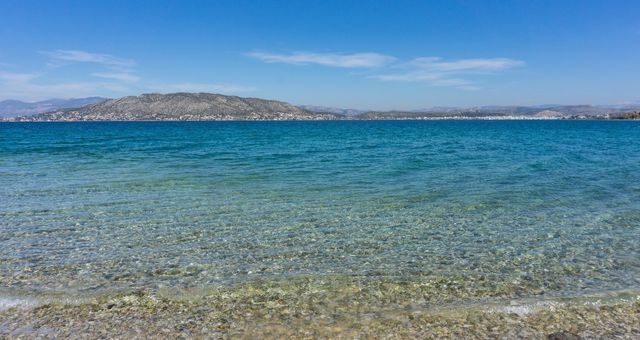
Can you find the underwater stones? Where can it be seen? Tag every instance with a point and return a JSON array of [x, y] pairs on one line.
[[563, 335]]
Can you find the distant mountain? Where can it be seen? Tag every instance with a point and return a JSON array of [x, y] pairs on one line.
[[183, 106], [449, 114], [564, 110], [208, 106], [540, 111], [328, 109], [15, 108]]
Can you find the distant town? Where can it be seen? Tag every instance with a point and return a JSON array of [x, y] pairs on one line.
[[208, 106]]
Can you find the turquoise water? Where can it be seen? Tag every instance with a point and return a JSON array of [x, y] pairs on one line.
[[519, 208]]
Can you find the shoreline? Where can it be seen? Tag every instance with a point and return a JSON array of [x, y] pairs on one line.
[[275, 311], [347, 119]]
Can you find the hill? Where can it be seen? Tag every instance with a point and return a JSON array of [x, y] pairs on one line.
[[182, 106], [208, 106]]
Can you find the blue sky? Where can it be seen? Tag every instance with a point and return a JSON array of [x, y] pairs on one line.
[[351, 54]]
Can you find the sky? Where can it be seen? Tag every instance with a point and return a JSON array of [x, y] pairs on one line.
[[370, 55]]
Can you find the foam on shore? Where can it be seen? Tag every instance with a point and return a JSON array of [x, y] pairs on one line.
[[7, 302]]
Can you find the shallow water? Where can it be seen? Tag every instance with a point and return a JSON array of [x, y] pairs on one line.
[[444, 210]]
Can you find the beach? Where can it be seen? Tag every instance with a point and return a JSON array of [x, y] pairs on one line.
[[310, 312]]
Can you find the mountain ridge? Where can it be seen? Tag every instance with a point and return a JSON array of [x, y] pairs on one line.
[[183, 106], [14, 108], [211, 106]]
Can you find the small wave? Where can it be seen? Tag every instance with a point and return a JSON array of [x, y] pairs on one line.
[[19, 302], [528, 306]]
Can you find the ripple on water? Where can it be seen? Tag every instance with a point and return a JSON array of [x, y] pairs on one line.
[[460, 210]]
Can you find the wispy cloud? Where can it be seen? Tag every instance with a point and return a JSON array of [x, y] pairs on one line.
[[114, 68], [88, 57], [201, 87], [107, 74], [436, 64], [120, 76], [32, 91], [103, 74], [440, 72], [355, 60], [17, 77], [432, 70]]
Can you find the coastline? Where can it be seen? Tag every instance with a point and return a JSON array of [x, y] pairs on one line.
[[311, 309], [348, 119]]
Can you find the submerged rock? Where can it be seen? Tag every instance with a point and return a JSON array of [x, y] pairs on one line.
[[563, 335]]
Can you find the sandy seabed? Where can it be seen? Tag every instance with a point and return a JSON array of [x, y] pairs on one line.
[[274, 311]]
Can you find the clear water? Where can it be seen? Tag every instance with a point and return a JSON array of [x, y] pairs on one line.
[[523, 208]]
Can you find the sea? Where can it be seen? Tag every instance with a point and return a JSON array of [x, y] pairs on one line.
[[445, 212]]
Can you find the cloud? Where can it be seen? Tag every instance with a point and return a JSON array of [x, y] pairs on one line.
[[465, 65], [30, 91], [114, 68], [439, 72], [201, 87], [121, 76], [433, 70], [104, 75], [87, 57], [114, 75], [356, 60], [34, 87], [17, 77]]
